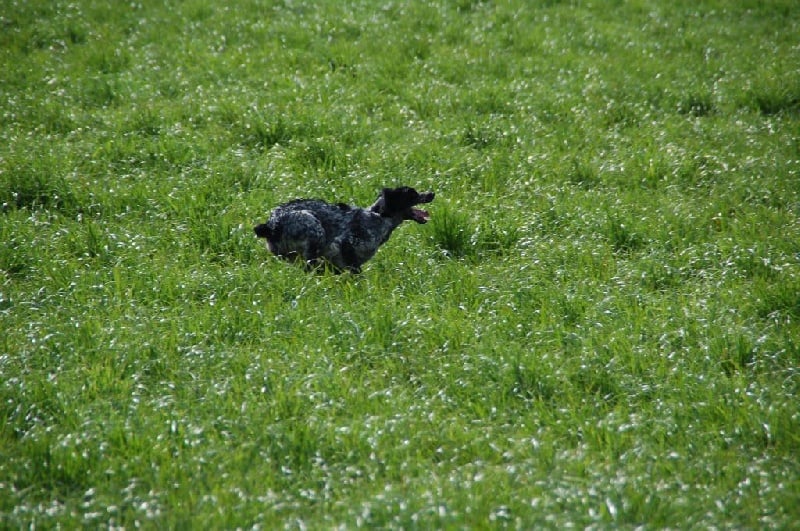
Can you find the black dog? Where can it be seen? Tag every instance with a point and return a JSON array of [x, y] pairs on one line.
[[344, 236]]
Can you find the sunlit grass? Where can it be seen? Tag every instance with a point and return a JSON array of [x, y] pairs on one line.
[[598, 327]]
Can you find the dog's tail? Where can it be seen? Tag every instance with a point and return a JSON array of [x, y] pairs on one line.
[[264, 231]]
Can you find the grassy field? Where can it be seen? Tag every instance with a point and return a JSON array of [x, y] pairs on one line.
[[600, 327]]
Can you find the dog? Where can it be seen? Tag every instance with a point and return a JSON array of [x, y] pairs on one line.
[[340, 235]]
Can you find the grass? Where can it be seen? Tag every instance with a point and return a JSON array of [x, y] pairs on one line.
[[598, 328]]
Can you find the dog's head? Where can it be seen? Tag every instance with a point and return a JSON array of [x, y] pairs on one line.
[[400, 202]]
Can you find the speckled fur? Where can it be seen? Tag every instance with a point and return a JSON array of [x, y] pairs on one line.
[[344, 236]]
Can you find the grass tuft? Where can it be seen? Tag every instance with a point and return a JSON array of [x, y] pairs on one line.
[[264, 132], [532, 383], [698, 105], [622, 235], [35, 185], [451, 232]]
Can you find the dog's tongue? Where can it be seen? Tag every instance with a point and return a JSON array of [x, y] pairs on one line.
[[420, 215]]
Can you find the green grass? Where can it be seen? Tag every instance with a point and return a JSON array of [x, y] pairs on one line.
[[598, 328]]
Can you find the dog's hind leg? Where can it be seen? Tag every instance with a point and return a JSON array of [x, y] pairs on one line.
[[302, 233]]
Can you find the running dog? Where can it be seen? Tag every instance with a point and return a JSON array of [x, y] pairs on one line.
[[340, 235]]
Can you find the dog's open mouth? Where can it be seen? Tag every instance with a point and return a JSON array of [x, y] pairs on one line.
[[420, 216]]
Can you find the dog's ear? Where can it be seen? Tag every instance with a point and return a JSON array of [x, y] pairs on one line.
[[388, 200]]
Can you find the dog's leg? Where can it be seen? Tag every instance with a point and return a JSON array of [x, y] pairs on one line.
[[349, 257]]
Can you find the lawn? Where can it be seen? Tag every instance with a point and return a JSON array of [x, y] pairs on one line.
[[600, 326]]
